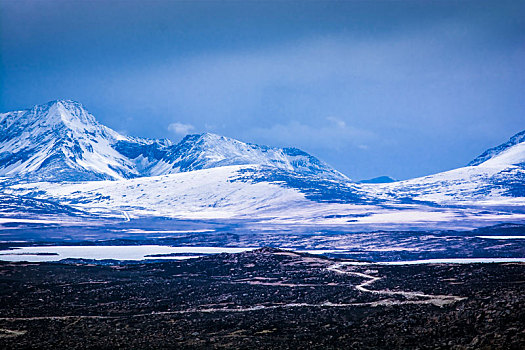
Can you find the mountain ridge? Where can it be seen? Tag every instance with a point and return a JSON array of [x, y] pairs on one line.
[[497, 151], [61, 141], [498, 173]]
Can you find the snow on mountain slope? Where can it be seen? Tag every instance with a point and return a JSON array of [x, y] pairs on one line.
[[208, 150], [207, 193], [498, 175], [221, 192], [228, 193], [12, 206], [511, 152], [61, 141], [145, 154], [469, 184]]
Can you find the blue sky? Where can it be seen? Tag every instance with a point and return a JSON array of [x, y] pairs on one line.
[[399, 88]]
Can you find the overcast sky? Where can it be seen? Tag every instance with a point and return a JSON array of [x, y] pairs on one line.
[[399, 88]]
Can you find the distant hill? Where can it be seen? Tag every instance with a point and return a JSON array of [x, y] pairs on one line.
[[378, 180], [496, 175]]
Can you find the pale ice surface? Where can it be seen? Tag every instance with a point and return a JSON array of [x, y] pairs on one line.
[[439, 261], [501, 237], [454, 261], [11, 220], [130, 252], [133, 252]]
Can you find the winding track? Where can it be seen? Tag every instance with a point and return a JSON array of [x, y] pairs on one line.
[[412, 298], [438, 300]]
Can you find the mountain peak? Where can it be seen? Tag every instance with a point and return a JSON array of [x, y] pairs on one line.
[[52, 116], [208, 150], [70, 104], [207, 136], [210, 135], [378, 180], [59, 140]]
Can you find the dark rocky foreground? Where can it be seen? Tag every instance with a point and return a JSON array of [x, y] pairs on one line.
[[263, 299]]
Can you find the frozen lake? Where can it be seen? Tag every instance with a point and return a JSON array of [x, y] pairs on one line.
[[121, 252], [148, 252]]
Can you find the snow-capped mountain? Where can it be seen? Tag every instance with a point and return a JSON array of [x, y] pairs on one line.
[[207, 150], [61, 141], [498, 175], [258, 195]]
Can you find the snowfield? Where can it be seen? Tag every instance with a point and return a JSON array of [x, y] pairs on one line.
[[473, 184], [218, 193], [208, 193]]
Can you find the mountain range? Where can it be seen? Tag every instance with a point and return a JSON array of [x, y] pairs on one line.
[[62, 141], [58, 154]]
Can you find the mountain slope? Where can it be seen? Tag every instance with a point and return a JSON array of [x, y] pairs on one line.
[[511, 152], [207, 193], [207, 150], [61, 141], [496, 175], [256, 197]]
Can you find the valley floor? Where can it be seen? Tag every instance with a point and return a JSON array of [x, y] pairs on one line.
[[265, 298]]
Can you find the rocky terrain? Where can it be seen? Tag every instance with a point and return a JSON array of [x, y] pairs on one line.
[[261, 299]]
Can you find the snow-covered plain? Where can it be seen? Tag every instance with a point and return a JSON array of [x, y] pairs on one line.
[[217, 193]]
